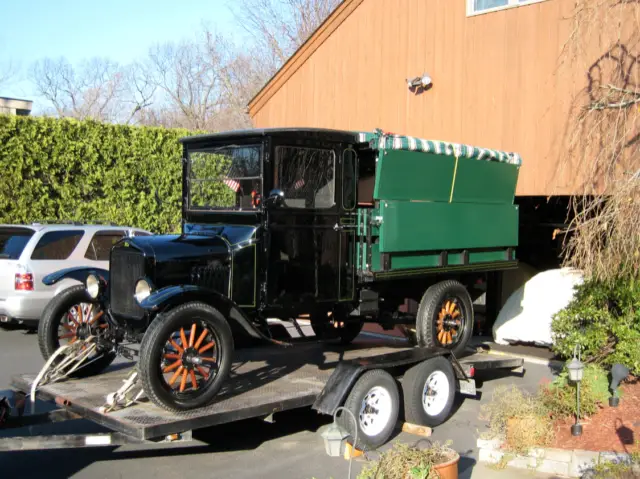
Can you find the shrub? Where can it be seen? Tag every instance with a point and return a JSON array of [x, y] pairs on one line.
[[403, 461], [604, 319], [559, 397], [63, 169], [522, 419]]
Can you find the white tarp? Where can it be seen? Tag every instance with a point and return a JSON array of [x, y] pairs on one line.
[[527, 313]]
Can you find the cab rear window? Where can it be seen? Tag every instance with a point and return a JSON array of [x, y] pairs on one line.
[[13, 241], [57, 245]]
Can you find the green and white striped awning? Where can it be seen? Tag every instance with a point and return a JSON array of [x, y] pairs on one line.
[[386, 141]]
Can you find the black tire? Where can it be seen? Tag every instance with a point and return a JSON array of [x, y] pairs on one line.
[[431, 305], [153, 345], [50, 323], [325, 331], [438, 407], [365, 385]]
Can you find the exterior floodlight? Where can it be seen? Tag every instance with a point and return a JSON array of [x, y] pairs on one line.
[[618, 373]]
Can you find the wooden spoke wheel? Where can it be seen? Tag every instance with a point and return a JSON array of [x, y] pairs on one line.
[[80, 322], [72, 316], [450, 323], [186, 356], [190, 358], [445, 317]]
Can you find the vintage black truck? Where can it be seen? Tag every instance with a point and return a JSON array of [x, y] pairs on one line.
[[341, 227]]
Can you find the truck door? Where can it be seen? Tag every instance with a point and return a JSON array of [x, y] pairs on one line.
[[347, 224], [305, 232]]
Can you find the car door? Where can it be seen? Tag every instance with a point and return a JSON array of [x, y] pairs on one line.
[[304, 232]]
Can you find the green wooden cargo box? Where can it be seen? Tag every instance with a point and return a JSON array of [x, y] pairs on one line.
[[437, 207]]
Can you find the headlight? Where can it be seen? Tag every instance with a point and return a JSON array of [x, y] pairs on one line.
[[93, 286], [143, 290]]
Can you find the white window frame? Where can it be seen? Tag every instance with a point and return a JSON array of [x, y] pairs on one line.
[[512, 4]]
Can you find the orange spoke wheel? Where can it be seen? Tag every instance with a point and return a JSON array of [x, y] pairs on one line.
[[189, 358], [79, 322], [449, 322]]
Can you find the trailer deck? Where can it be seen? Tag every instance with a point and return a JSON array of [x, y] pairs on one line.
[[264, 381]]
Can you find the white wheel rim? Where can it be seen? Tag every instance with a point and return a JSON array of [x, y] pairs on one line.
[[435, 393], [375, 411]]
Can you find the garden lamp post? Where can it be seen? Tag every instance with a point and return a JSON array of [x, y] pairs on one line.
[[618, 373], [576, 370], [334, 435]]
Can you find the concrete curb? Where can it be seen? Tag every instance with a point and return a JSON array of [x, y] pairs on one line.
[[568, 463], [552, 363]]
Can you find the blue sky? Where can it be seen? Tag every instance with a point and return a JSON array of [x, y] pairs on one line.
[[122, 30]]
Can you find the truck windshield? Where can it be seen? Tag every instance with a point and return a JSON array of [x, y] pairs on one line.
[[227, 177]]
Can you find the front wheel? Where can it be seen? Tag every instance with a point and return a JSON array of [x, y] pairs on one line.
[[69, 317], [185, 357]]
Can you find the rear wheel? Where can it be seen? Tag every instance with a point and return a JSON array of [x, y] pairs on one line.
[[186, 356], [69, 317], [445, 317], [429, 390], [338, 326]]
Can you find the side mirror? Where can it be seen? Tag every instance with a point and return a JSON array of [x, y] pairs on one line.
[[275, 199]]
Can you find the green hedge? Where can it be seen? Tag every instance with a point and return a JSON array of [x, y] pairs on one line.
[[62, 169]]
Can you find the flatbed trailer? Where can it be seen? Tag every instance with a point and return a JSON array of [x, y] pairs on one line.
[[264, 381]]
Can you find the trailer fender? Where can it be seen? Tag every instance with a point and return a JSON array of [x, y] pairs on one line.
[[170, 296], [347, 373], [78, 273]]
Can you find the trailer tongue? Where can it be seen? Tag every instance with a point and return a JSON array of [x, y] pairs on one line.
[[264, 381]]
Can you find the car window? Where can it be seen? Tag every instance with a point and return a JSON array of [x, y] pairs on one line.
[[57, 245], [141, 233], [306, 176], [101, 243], [13, 241]]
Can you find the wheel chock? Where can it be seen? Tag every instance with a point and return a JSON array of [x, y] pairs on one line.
[[351, 452], [416, 430]]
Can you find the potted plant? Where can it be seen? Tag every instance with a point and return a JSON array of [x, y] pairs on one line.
[[411, 462]]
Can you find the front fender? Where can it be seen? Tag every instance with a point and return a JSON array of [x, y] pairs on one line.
[[170, 296], [78, 273]]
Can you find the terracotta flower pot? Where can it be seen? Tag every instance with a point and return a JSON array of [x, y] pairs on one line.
[[449, 469]]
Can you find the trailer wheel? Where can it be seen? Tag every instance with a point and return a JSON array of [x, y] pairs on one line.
[[429, 390], [445, 317], [68, 317], [185, 357], [375, 403]]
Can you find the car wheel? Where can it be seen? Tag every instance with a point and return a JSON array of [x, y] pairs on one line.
[[374, 401], [325, 329], [429, 391], [71, 316], [186, 356], [445, 317]]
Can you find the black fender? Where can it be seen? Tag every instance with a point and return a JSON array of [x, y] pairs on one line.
[[166, 298], [346, 374], [79, 273]]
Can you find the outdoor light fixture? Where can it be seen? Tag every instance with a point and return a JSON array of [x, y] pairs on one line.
[[618, 373], [576, 371], [334, 435], [423, 82]]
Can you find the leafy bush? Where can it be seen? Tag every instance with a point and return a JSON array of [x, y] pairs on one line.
[[604, 319], [403, 461], [559, 397], [522, 419], [55, 169]]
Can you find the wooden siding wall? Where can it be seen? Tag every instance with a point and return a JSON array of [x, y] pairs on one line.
[[496, 80]]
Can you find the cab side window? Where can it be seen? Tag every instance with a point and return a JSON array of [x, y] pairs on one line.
[[306, 176]]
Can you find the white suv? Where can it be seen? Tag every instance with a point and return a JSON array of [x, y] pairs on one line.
[[30, 252]]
